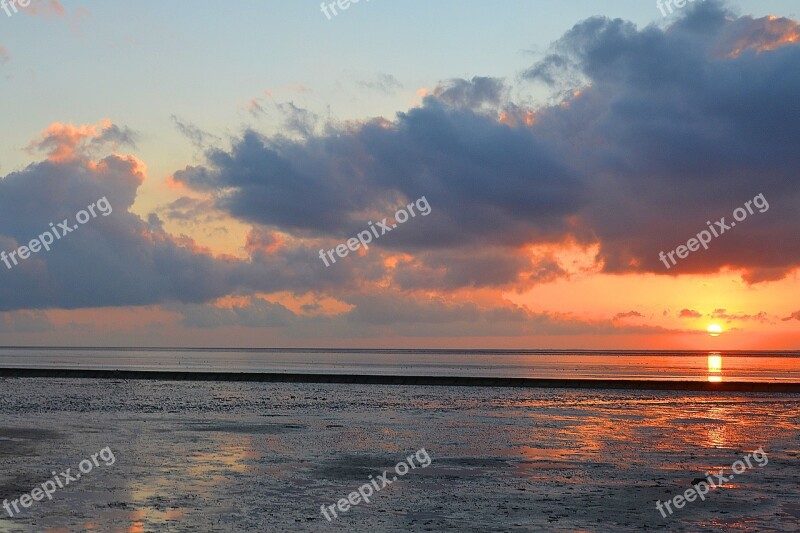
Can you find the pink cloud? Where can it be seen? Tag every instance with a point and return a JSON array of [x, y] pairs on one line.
[[45, 8], [67, 142]]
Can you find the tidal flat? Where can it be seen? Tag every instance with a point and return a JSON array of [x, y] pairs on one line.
[[234, 456]]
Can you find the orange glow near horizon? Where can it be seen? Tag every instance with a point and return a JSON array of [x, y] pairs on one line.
[[677, 312]]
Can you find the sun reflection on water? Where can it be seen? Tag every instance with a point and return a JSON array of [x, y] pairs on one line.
[[714, 367]]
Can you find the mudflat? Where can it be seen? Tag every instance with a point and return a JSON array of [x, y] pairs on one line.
[[249, 456]]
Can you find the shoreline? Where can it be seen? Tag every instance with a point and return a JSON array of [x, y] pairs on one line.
[[449, 381]]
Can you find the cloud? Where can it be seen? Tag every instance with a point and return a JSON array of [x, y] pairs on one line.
[[473, 94], [793, 316], [668, 115], [629, 314], [390, 313], [191, 210], [24, 322], [198, 137], [298, 120], [254, 107], [254, 313], [124, 260], [385, 83], [723, 314], [66, 142], [654, 138], [689, 313], [764, 35], [489, 181], [113, 260], [401, 314]]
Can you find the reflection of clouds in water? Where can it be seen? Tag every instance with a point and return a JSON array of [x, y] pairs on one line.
[[192, 461], [217, 456]]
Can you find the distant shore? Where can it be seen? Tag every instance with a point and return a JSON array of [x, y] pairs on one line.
[[364, 379]]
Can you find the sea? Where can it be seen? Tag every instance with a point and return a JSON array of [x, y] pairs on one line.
[[740, 366]]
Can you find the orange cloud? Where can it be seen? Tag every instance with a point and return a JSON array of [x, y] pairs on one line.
[[764, 34], [517, 117], [67, 142], [173, 184], [266, 241]]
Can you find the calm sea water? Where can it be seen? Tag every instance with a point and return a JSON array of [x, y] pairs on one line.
[[644, 365]]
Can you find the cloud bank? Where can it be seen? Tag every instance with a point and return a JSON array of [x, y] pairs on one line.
[[661, 130]]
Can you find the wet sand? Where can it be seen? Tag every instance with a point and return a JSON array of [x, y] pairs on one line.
[[263, 456]]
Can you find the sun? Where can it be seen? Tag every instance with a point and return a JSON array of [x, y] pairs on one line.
[[714, 330]]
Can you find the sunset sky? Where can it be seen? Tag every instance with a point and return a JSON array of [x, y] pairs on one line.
[[561, 148]]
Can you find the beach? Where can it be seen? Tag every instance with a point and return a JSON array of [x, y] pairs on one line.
[[250, 456]]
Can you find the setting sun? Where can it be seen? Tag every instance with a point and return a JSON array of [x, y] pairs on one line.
[[714, 330]]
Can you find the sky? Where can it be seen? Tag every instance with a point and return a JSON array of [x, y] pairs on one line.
[[529, 174]]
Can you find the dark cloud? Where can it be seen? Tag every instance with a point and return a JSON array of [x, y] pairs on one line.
[[793, 316], [116, 259], [660, 138], [471, 94], [116, 136], [257, 313], [386, 313], [669, 118], [406, 315], [629, 314], [689, 313], [672, 127], [475, 268], [723, 314], [124, 260], [486, 183]]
